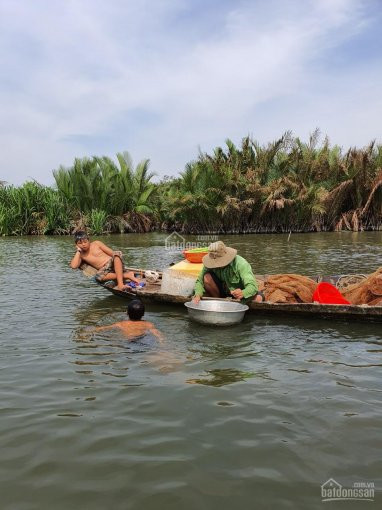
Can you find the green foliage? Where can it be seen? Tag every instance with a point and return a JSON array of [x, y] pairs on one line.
[[32, 209], [282, 186], [99, 184], [285, 185], [97, 221], [94, 193]]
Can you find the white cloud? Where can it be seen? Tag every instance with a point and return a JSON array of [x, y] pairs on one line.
[[153, 78]]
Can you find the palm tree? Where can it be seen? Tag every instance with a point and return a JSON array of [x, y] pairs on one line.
[[100, 188]]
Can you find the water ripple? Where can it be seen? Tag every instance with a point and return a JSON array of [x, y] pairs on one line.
[[265, 411]]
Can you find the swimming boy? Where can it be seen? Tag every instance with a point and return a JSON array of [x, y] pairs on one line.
[[135, 327], [108, 263]]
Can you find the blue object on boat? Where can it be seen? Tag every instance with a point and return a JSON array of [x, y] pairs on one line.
[[133, 285]]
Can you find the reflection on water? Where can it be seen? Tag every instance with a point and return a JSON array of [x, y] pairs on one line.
[[99, 310], [270, 408], [223, 376]]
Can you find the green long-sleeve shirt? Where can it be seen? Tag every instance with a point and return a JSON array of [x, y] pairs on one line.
[[237, 275]]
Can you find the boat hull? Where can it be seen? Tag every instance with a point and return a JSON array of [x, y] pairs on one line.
[[152, 294]]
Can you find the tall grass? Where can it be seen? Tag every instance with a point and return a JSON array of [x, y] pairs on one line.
[[97, 221], [33, 209], [287, 185]]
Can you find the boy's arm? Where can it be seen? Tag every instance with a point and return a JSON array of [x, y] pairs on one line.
[[76, 260]]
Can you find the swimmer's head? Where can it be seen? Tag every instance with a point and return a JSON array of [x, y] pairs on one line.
[[136, 310]]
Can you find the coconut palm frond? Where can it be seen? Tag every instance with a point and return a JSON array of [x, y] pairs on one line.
[[377, 184], [335, 194]]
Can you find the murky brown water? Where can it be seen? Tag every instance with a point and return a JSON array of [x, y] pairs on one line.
[[256, 416]]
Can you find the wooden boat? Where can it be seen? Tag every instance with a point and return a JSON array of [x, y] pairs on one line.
[[151, 293]]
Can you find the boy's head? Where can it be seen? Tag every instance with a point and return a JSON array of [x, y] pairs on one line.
[[135, 310], [81, 239]]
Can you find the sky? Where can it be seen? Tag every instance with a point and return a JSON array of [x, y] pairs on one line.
[[164, 79]]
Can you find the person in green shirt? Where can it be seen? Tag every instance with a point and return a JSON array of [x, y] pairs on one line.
[[226, 274]]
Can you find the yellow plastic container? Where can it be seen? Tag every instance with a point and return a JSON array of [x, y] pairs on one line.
[[187, 268]]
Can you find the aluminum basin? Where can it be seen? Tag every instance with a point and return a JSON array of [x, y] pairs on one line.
[[216, 312]]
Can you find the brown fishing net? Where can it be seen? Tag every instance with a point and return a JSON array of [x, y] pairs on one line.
[[294, 288], [289, 288], [369, 291]]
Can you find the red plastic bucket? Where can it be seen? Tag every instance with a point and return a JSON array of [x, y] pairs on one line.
[[195, 257], [327, 294]]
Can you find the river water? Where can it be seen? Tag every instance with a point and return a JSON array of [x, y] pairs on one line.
[[252, 416]]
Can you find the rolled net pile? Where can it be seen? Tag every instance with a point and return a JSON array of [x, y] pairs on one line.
[[367, 292], [289, 288]]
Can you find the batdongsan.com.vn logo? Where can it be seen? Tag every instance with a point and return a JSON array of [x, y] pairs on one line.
[[176, 242], [334, 491]]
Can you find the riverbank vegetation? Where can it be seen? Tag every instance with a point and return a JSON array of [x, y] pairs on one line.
[[287, 185]]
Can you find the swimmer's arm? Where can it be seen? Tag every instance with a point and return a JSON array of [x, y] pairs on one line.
[[85, 334], [157, 333], [109, 326]]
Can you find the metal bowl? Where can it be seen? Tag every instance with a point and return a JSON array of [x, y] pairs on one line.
[[216, 312]]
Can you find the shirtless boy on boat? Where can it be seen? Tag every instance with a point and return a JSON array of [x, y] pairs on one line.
[[108, 263], [134, 328]]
